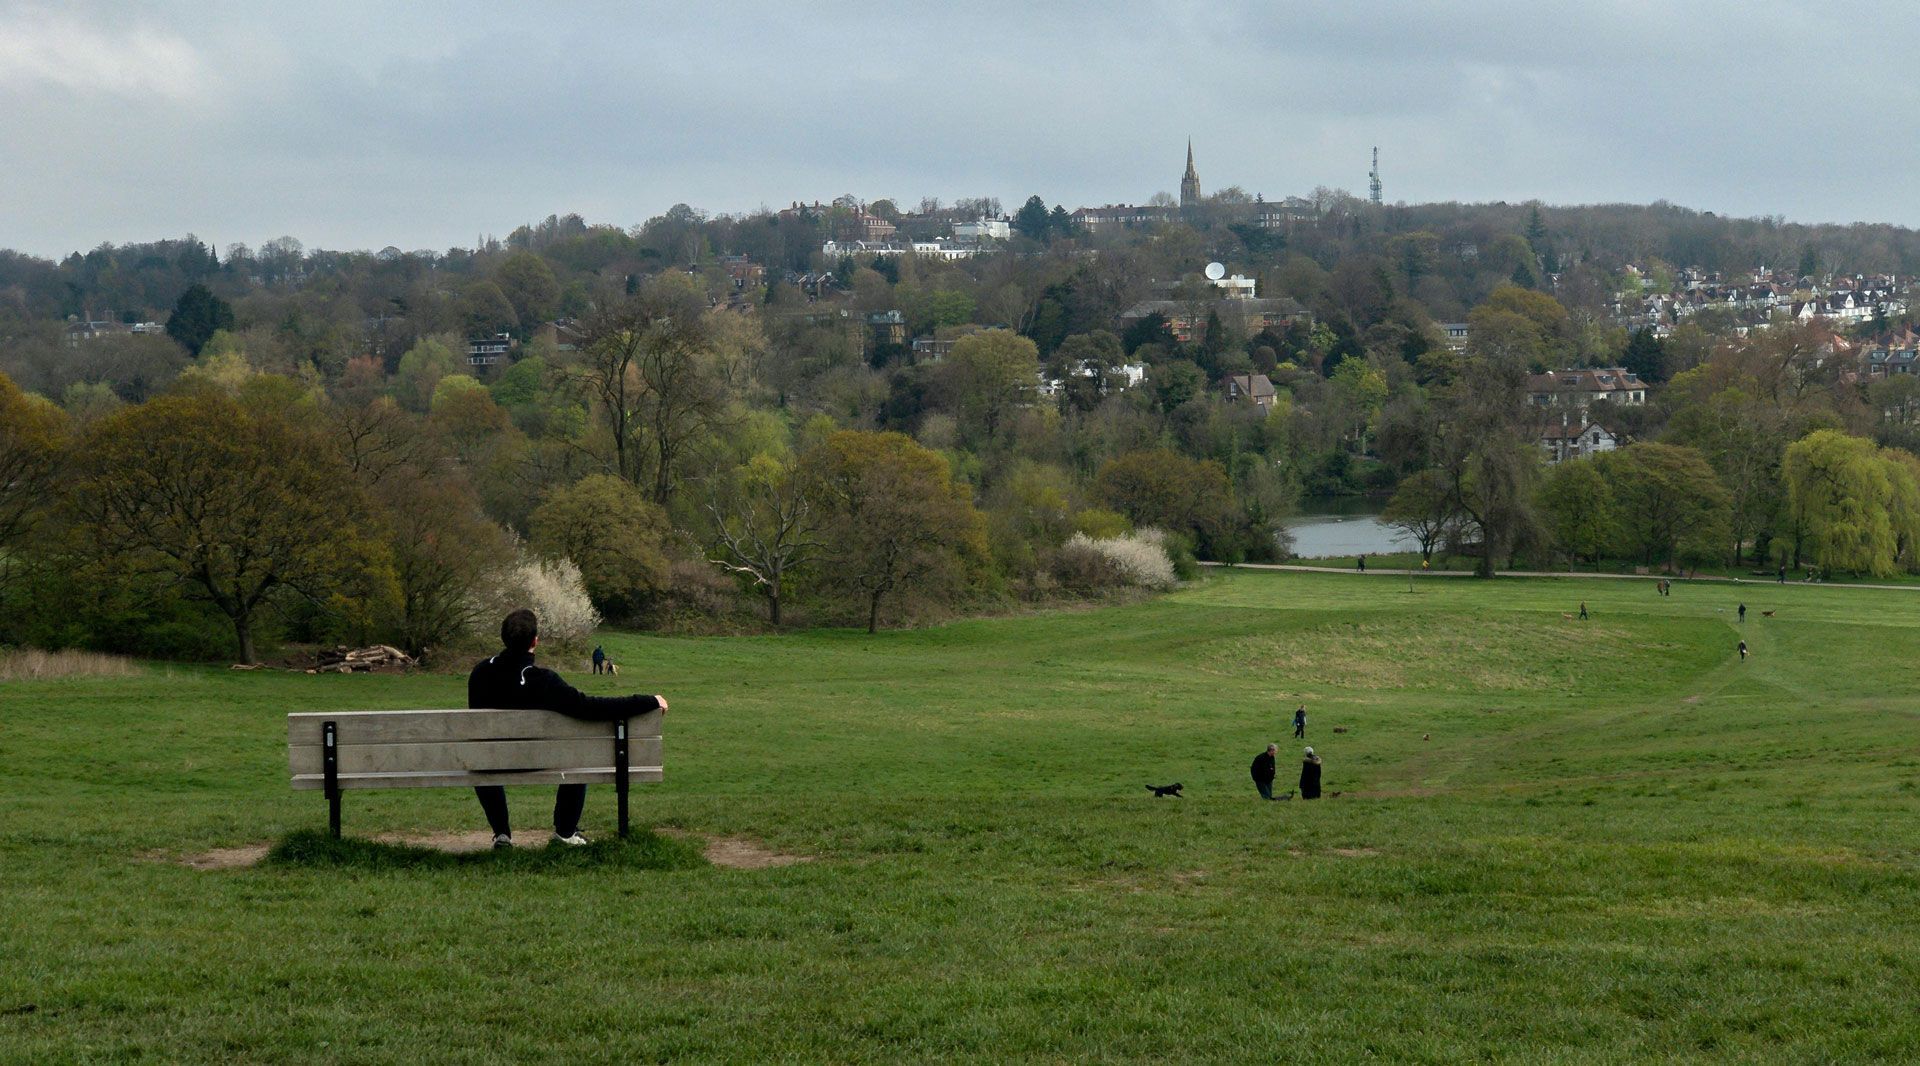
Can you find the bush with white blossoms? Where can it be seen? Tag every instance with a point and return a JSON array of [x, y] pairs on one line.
[[1137, 558], [551, 588]]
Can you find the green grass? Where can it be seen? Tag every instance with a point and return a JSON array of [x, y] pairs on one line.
[[1619, 844]]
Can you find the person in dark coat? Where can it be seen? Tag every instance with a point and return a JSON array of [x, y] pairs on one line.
[[1310, 776], [1743, 612], [511, 681], [1264, 771], [599, 659], [1300, 721]]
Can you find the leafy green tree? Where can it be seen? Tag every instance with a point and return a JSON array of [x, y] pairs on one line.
[[530, 289], [1839, 487], [1163, 488], [197, 315], [1666, 498], [485, 310], [986, 376], [613, 533], [1175, 383], [1577, 508], [32, 448], [420, 371], [892, 518], [238, 506]]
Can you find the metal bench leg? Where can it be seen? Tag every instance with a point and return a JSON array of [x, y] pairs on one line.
[[620, 772], [331, 755]]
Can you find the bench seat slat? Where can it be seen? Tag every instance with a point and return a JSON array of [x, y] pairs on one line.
[[459, 779], [476, 756], [440, 727]]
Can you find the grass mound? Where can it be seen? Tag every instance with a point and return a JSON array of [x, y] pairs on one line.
[[644, 850]]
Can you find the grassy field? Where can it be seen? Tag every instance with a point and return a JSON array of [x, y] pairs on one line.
[[1620, 844]]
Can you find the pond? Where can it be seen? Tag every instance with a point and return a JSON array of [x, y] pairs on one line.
[[1344, 525]]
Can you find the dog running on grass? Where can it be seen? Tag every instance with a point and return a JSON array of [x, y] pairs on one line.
[[1163, 791]]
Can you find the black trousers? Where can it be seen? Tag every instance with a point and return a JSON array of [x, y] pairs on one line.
[[568, 802]]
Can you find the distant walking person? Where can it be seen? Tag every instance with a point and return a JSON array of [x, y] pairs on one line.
[[599, 659], [1743, 651], [1783, 573], [1310, 776], [1743, 612], [511, 681], [1583, 610], [1363, 564], [1300, 721], [1263, 771]]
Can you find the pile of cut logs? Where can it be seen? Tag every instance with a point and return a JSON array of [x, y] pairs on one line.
[[345, 660]]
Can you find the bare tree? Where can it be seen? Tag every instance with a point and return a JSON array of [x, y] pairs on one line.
[[763, 526]]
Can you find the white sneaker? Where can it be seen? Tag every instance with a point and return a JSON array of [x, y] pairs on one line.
[[575, 840], [502, 840]]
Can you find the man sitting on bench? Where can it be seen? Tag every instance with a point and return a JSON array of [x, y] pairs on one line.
[[510, 680]]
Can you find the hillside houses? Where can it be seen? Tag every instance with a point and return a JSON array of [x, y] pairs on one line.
[[1577, 390], [1755, 299]]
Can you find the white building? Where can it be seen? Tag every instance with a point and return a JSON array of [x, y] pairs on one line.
[[984, 229]]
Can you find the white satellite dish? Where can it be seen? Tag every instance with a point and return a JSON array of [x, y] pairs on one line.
[[1216, 271]]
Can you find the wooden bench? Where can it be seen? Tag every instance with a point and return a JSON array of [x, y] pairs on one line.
[[339, 750]]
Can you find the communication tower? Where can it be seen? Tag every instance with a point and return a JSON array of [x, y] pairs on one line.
[[1373, 177]]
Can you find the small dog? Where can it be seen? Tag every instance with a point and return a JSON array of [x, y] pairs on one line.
[[1426, 736], [1766, 614], [1163, 791], [1339, 729], [612, 667]]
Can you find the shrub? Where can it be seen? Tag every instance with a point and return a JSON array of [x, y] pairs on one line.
[[550, 588], [1134, 559]]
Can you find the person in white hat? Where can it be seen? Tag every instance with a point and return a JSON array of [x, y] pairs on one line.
[[1310, 776]]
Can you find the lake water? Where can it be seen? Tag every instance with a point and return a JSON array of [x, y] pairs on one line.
[[1344, 525]]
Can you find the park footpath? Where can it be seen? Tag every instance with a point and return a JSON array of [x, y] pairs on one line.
[[1409, 572]]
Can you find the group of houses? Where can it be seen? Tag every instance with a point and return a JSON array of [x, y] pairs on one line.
[[1759, 297]]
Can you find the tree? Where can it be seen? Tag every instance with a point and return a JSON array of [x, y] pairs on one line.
[[1839, 487], [1166, 489], [1423, 507], [237, 506], [647, 364], [612, 532], [528, 284], [763, 522], [197, 315], [1488, 461], [1645, 356], [986, 376], [892, 519], [442, 546], [1576, 506], [485, 310], [1031, 220], [32, 447], [1666, 497], [421, 369]]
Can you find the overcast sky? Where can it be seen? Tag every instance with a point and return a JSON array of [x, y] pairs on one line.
[[425, 125]]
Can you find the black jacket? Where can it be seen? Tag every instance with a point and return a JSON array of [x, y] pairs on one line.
[[511, 681], [1263, 766], [1309, 780]]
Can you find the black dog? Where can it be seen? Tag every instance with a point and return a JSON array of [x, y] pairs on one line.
[[1163, 791]]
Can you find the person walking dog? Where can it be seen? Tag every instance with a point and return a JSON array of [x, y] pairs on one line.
[[511, 681]]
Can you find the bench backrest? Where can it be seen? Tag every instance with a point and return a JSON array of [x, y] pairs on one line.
[[424, 749]]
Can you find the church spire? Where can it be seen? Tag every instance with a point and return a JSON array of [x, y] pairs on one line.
[[1190, 182]]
